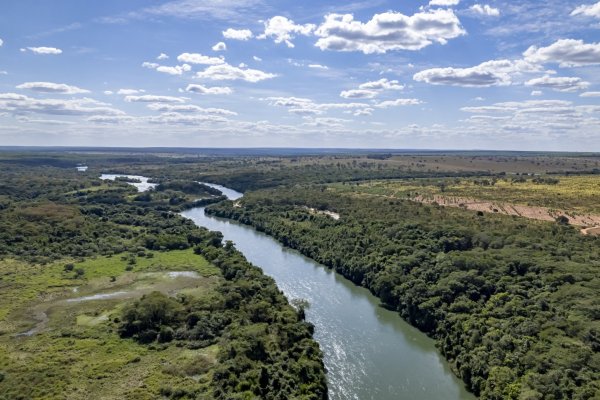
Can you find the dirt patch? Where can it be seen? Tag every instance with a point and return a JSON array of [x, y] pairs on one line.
[[330, 214], [593, 231], [531, 212]]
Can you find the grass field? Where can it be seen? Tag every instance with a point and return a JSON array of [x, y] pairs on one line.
[[77, 354], [573, 195]]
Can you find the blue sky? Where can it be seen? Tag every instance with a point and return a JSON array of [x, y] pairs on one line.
[[439, 74]]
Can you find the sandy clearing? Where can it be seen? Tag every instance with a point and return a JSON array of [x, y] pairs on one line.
[[589, 221]]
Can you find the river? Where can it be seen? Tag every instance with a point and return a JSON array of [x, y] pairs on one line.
[[369, 352]]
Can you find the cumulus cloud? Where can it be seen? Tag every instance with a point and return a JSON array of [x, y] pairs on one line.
[[200, 89], [188, 108], [444, 3], [398, 103], [388, 31], [150, 65], [162, 56], [590, 94], [489, 73], [50, 87], [219, 47], [528, 106], [368, 90], [196, 58], [485, 10], [358, 94], [108, 119], [129, 92], [559, 83], [20, 104], [238, 34], [175, 118], [226, 72], [44, 50], [176, 70], [306, 107], [283, 30], [148, 98], [566, 53], [588, 10]]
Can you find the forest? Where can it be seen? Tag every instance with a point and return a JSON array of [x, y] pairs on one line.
[[231, 335], [512, 303]]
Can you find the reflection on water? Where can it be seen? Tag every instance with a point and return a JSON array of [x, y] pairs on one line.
[[141, 186], [369, 352]]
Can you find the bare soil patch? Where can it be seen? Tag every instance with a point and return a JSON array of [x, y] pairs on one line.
[[590, 221]]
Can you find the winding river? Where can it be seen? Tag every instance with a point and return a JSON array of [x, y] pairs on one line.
[[370, 352]]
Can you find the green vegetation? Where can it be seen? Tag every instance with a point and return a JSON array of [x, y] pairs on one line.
[[574, 193], [88, 308], [512, 303]]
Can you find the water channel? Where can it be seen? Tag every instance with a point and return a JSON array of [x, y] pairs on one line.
[[370, 352]]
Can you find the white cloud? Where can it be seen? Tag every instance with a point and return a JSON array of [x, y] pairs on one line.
[[283, 30], [148, 98], [49, 87], [219, 47], [398, 102], [358, 94], [559, 83], [536, 93], [1, 42], [206, 10], [108, 92], [226, 72], [317, 66], [176, 70], [485, 10], [195, 58], [588, 10], [255, 58], [44, 50], [489, 73], [590, 94], [104, 119], [200, 89], [566, 53], [189, 108], [388, 31], [150, 65], [129, 92], [237, 34], [444, 3], [175, 118], [368, 90], [20, 104], [162, 56], [382, 84], [306, 107]]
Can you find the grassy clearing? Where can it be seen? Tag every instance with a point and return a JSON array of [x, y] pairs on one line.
[[80, 355], [573, 193]]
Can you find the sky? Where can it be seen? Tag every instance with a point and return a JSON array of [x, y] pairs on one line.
[[433, 74]]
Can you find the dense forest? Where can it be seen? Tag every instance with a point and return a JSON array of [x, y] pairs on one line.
[[55, 224], [512, 303]]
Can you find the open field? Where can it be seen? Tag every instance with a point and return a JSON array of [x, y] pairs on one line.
[[72, 351], [575, 197]]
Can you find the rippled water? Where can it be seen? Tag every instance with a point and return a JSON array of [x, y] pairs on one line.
[[369, 352]]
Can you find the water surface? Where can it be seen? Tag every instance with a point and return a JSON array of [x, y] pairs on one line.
[[369, 352]]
